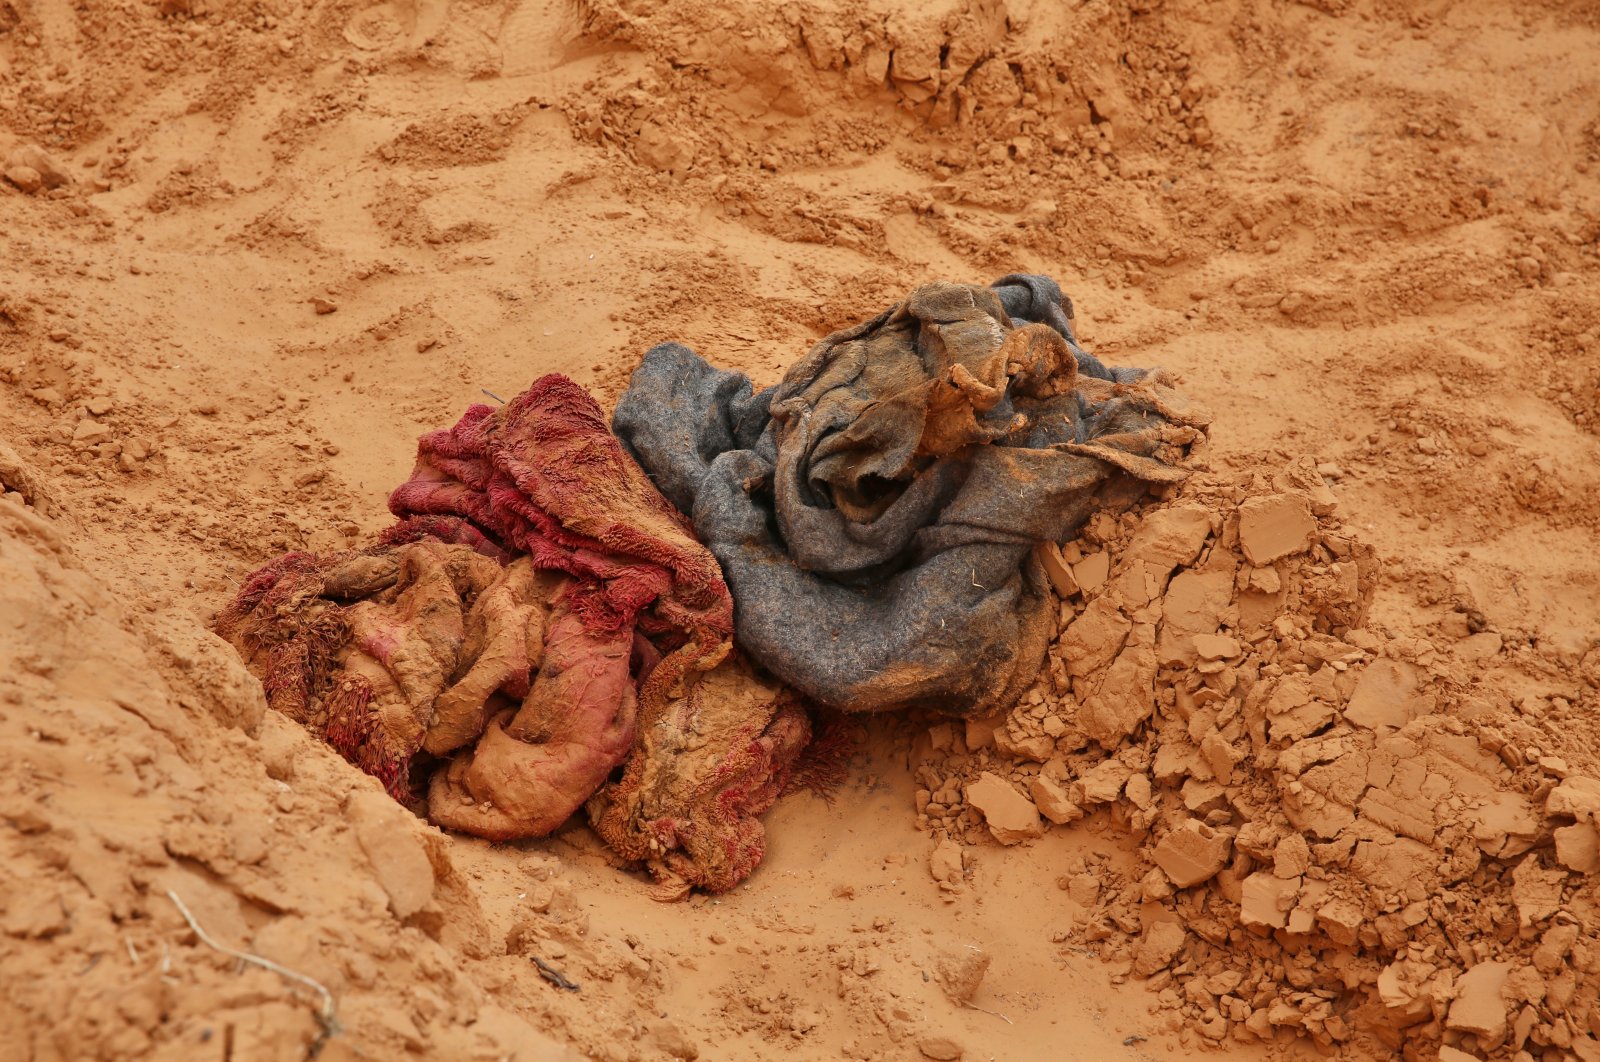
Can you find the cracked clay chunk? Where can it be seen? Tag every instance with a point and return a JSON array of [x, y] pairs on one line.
[[387, 834], [1267, 899], [1010, 815], [1275, 527], [1478, 1007], [1386, 696], [1160, 945], [1192, 853], [1053, 802], [1578, 797], [1578, 847]]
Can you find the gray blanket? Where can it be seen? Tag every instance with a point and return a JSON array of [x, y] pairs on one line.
[[875, 513]]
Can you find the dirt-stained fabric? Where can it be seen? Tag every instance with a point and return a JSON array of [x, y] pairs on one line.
[[539, 616], [704, 770], [397, 650], [875, 512]]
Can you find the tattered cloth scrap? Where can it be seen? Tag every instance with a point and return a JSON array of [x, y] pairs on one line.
[[539, 616], [876, 512]]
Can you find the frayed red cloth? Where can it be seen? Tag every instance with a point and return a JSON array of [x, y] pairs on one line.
[[544, 476], [539, 616]]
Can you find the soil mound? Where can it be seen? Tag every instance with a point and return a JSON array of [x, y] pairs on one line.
[[1334, 835]]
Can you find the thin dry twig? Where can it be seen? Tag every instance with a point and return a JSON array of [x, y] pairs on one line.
[[325, 1013], [991, 1013]]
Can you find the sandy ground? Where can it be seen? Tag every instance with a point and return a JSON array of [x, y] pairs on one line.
[[271, 243]]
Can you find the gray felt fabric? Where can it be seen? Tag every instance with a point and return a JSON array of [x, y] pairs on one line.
[[875, 513]]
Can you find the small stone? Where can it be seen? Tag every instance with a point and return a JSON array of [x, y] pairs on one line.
[[26, 178], [1273, 527], [1192, 853], [663, 150], [1398, 992], [541, 896], [945, 862], [1083, 890], [91, 433], [961, 972], [1010, 815], [671, 1040], [249, 843], [29, 821], [322, 306], [30, 156], [940, 1047]]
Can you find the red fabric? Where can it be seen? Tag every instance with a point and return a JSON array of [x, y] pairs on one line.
[[611, 672], [544, 476]]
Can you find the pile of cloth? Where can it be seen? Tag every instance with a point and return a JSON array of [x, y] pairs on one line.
[[634, 619]]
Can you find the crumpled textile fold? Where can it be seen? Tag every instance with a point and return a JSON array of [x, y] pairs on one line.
[[539, 615], [875, 512]]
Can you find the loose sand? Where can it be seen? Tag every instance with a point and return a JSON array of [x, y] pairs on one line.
[[1314, 766]]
